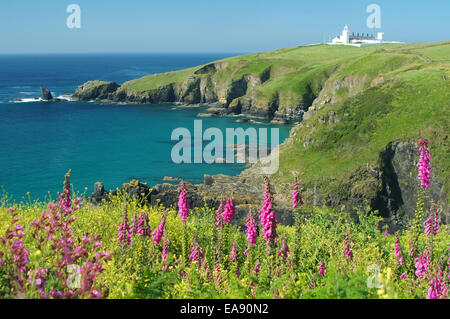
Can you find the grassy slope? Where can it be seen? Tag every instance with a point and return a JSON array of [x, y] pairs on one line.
[[410, 101], [413, 102]]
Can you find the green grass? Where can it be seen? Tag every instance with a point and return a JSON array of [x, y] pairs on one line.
[[151, 82], [414, 105]]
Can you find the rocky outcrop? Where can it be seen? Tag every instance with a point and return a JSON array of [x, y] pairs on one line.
[[95, 90], [398, 194], [46, 94], [99, 195]]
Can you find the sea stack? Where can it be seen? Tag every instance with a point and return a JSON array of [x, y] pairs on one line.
[[46, 95]]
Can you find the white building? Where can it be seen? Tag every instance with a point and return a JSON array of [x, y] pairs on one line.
[[357, 39]]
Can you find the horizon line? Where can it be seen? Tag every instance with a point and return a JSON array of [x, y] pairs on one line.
[[192, 52]]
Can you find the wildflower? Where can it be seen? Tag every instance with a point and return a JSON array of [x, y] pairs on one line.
[[124, 229], [228, 211], [422, 263], [183, 206], [134, 224], [233, 252], [196, 254], [348, 251], [403, 276], [321, 269], [284, 250], [398, 252], [96, 294], [144, 225], [296, 198], [238, 270], [256, 270], [432, 223], [251, 230], [424, 164], [165, 252], [412, 249], [38, 280], [267, 217], [437, 289], [219, 215], [252, 287], [157, 234]]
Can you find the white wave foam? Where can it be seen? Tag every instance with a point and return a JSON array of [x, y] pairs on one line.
[[27, 100], [65, 97]]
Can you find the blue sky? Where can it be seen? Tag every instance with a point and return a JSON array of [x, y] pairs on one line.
[[31, 26]]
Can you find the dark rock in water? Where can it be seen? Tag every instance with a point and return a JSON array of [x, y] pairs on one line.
[[46, 95]]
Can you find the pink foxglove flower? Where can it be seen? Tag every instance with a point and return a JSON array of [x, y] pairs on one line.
[[322, 269], [219, 216], [157, 234], [284, 250], [143, 225], [256, 270], [196, 254], [233, 252], [296, 198], [422, 264], [267, 217], [228, 211], [398, 252], [124, 229], [348, 251], [432, 224], [424, 164], [437, 289], [165, 252], [183, 206], [251, 230]]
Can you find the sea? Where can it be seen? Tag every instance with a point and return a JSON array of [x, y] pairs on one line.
[[40, 141]]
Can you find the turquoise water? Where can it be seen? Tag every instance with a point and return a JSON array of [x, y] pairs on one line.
[[40, 141]]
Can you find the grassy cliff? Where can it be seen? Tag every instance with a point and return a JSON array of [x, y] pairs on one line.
[[388, 94], [352, 105]]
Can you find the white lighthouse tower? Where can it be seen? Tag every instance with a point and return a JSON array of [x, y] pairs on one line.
[[345, 37]]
